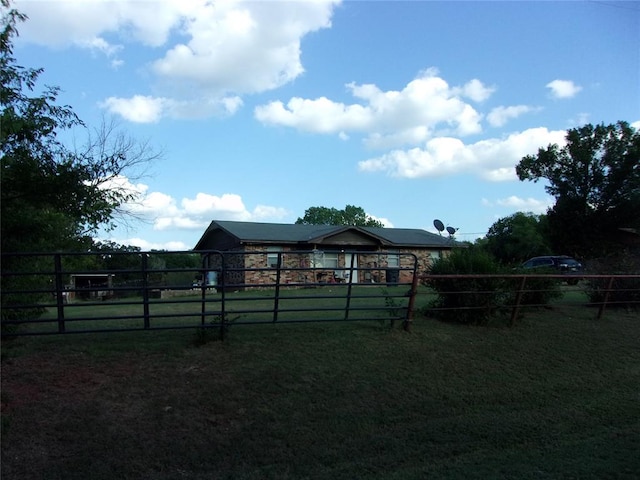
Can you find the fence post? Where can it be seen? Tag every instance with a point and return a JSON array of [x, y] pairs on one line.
[[145, 290], [223, 301], [57, 260], [406, 324], [347, 307], [603, 305], [276, 300], [516, 307], [203, 288]]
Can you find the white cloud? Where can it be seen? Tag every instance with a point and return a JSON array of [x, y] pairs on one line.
[[101, 45], [492, 159], [146, 245], [475, 90], [143, 109], [579, 120], [165, 213], [204, 203], [232, 46], [263, 212], [64, 23], [516, 203], [138, 109], [385, 221], [563, 88], [319, 116], [211, 53], [425, 106], [499, 116]]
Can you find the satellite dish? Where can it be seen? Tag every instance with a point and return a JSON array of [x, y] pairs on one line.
[[451, 230], [438, 224]]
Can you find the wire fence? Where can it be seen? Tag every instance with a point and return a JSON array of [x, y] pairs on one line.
[[472, 298]]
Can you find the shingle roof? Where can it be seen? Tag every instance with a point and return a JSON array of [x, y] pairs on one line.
[[254, 232], [409, 236]]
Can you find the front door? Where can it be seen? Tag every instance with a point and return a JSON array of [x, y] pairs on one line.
[[347, 265]]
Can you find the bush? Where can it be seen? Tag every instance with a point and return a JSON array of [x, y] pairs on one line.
[[24, 289], [538, 291], [469, 300], [624, 292]]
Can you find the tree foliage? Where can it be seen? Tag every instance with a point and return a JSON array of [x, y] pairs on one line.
[[520, 236], [595, 179], [351, 215], [53, 196]]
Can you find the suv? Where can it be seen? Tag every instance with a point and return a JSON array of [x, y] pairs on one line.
[[561, 263]]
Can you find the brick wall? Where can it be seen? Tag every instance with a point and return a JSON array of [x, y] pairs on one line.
[[296, 267]]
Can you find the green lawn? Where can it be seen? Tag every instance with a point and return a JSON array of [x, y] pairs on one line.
[[253, 306], [557, 396]]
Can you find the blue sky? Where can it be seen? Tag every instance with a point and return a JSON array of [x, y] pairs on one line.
[[412, 110]]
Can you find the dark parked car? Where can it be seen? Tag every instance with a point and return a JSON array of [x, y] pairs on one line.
[[561, 263]]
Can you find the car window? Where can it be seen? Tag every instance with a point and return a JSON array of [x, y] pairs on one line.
[[543, 262], [571, 262]]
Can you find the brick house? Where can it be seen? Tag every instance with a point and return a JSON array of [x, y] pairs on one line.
[[317, 253]]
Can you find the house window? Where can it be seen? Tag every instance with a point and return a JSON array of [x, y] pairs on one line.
[[320, 259], [272, 256], [435, 256], [330, 260], [316, 258], [393, 259]]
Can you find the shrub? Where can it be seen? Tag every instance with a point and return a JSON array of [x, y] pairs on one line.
[[624, 292], [466, 300], [537, 291], [26, 284]]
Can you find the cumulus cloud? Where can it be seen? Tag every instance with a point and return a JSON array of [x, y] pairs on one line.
[[499, 116], [475, 90], [146, 109], [424, 107], [65, 23], [138, 109], [563, 88], [233, 45], [196, 213], [211, 53], [492, 159]]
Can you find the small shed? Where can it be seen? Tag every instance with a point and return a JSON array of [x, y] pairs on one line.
[[90, 286]]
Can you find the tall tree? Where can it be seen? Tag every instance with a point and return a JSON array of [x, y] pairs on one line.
[[518, 237], [351, 215], [53, 197], [595, 179]]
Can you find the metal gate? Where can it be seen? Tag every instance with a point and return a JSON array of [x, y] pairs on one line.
[[44, 293]]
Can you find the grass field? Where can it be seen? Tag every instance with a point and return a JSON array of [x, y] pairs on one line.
[[252, 306], [557, 396]]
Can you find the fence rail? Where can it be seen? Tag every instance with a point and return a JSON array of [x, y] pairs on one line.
[[129, 291], [63, 293], [489, 294]]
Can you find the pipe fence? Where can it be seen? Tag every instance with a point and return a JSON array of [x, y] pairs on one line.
[[64, 293]]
